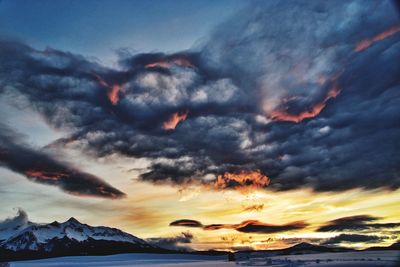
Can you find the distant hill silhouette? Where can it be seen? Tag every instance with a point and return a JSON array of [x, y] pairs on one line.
[[306, 248]]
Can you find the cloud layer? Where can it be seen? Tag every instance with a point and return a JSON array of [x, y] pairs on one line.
[[249, 226], [300, 103], [353, 238], [356, 223], [179, 242]]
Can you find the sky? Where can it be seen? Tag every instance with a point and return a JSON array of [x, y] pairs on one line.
[[235, 124]]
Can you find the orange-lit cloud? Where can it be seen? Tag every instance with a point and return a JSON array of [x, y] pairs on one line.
[[311, 113], [175, 118], [159, 64], [180, 61], [315, 110], [113, 90], [113, 94], [364, 44], [51, 176], [243, 181], [100, 80]]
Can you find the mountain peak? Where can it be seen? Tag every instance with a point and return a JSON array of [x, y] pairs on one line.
[[55, 223], [73, 220]]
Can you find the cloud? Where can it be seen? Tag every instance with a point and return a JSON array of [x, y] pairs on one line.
[[20, 220], [39, 167], [255, 207], [174, 120], [354, 219], [244, 180], [356, 223], [364, 44], [353, 238], [253, 226], [249, 226], [178, 242], [186, 223], [252, 98], [290, 241]]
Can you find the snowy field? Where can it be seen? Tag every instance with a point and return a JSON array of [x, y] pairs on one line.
[[346, 259], [388, 258], [142, 259]]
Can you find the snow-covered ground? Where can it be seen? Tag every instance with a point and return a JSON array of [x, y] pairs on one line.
[[388, 258], [148, 260], [345, 259]]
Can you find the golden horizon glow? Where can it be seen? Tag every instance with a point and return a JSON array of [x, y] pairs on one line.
[[230, 207]]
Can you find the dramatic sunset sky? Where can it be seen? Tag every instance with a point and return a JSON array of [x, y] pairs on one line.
[[204, 124]]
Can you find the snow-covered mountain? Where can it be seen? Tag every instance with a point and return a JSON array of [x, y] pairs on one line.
[[10, 226], [18, 234]]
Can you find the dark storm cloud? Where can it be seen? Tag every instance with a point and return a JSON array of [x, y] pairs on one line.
[[296, 102], [356, 223], [40, 167], [353, 238], [249, 226], [179, 242]]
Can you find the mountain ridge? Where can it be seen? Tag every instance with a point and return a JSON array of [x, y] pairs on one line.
[[23, 239], [35, 236]]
